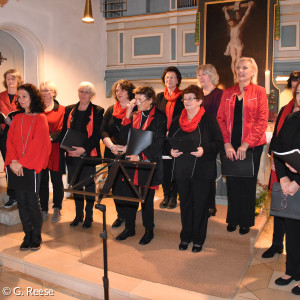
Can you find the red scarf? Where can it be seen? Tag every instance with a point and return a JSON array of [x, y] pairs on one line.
[[171, 101], [287, 110], [136, 120], [89, 127], [187, 125], [118, 111]]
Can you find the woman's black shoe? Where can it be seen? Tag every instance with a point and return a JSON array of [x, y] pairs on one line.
[[35, 245], [244, 230], [172, 202], [296, 290], [76, 221], [212, 212], [183, 245], [231, 228], [125, 234], [272, 251], [117, 223], [87, 224], [147, 237], [26, 243], [164, 203], [282, 282], [196, 248]]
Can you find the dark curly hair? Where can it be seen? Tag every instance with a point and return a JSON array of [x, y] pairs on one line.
[[172, 69], [148, 92], [293, 75], [193, 89], [37, 104], [125, 85]]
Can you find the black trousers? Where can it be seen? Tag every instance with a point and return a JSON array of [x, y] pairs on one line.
[[117, 190], [212, 195], [30, 212], [89, 186], [292, 248], [241, 193], [3, 137], [194, 204], [58, 192], [279, 231], [168, 185]]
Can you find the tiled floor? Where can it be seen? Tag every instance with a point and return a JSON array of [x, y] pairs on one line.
[[63, 246]]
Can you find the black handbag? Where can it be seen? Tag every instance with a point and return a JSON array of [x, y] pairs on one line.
[[284, 206]]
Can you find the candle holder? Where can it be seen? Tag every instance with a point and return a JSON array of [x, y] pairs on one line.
[[271, 99]]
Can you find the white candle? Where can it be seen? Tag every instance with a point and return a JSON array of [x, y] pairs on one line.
[[267, 81]]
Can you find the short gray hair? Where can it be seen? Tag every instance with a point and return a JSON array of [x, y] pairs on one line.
[[211, 71], [89, 86]]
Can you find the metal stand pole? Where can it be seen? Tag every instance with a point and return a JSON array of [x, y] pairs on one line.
[[103, 235]]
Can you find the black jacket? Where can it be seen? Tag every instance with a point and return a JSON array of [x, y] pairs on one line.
[[208, 135]]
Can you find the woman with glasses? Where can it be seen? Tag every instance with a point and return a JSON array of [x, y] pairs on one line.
[[195, 170], [28, 148], [243, 119], [55, 116], [148, 117], [12, 79], [110, 134], [289, 139], [169, 103], [86, 118]]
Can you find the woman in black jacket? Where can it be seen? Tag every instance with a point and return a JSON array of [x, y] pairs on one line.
[[170, 104], [110, 134], [195, 170], [289, 139], [146, 118], [87, 118]]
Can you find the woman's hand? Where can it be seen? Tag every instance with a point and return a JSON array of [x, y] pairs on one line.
[[292, 188], [291, 168], [77, 152], [272, 163], [284, 183], [133, 157], [241, 152], [17, 168], [130, 107], [175, 153], [118, 149], [230, 152], [198, 153]]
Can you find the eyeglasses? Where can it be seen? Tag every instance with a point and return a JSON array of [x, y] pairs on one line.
[[297, 93], [295, 78], [138, 102], [46, 91], [189, 99], [84, 92]]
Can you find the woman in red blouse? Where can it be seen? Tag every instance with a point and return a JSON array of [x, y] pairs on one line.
[[28, 146], [55, 116]]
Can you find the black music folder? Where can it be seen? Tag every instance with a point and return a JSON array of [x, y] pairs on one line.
[[26, 183], [183, 144], [291, 157], [138, 140], [73, 137], [237, 168]]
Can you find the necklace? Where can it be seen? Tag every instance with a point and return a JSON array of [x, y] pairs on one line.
[[24, 146]]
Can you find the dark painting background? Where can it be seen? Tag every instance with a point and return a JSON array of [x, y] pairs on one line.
[[254, 38]]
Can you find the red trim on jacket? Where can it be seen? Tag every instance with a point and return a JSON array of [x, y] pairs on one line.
[[55, 118], [38, 147], [255, 114]]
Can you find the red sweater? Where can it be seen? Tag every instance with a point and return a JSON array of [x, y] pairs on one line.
[[38, 147], [5, 106], [55, 119], [255, 114]]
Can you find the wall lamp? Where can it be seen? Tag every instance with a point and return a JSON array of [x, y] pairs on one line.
[[88, 14]]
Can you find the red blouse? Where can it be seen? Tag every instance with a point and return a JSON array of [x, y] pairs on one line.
[[5, 106], [38, 145]]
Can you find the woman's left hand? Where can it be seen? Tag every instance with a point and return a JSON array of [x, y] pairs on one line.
[[133, 157], [77, 152], [175, 153], [292, 188], [198, 153], [17, 168], [241, 151], [291, 168]]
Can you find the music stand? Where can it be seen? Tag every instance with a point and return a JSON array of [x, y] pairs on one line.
[[114, 165]]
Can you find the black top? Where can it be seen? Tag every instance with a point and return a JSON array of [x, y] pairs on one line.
[[212, 101], [83, 118], [162, 104], [237, 128], [288, 139], [209, 136]]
